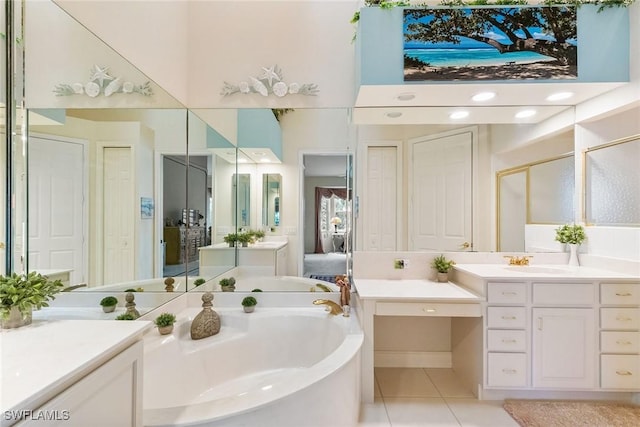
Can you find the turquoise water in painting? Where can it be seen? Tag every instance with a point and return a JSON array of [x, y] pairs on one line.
[[438, 57]]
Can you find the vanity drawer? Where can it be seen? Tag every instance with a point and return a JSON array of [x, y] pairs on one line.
[[506, 317], [506, 340], [619, 342], [563, 293], [428, 309], [620, 293], [620, 318], [620, 371], [509, 293], [507, 370]]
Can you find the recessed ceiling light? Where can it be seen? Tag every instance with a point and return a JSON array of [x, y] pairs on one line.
[[525, 113], [459, 115], [265, 160], [483, 96], [394, 114], [259, 153], [405, 96], [559, 96], [242, 160]]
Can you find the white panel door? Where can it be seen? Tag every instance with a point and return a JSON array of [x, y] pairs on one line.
[[440, 193], [56, 211], [380, 230], [119, 244]]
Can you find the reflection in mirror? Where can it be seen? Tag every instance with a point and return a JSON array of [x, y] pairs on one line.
[[271, 188], [327, 223], [241, 202], [96, 195], [535, 193], [612, 183]]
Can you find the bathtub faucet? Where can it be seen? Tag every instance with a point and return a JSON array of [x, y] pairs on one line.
[[332, 307]]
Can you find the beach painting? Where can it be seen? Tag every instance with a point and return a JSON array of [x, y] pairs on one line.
[[484, 43]]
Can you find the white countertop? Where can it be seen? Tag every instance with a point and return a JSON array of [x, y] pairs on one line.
[[40, 360], [419, 290], [271, 245], [534, 271]]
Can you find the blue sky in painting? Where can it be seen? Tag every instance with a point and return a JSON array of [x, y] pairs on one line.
[[467, 43]]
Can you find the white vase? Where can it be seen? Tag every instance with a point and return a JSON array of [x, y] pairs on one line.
[[573, 255]]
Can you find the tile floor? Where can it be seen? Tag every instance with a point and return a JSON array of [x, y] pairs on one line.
[[428, 397]]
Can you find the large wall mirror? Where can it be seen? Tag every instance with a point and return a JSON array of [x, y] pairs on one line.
[[612, 183], [271, 188], [534, 193]]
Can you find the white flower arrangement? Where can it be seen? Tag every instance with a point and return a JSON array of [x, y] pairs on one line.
[[269, 82], [100, 82]]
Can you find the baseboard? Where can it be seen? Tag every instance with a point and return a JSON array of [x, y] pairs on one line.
[[492, 394], [412, 359]]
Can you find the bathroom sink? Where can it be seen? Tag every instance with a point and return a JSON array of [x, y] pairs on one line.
[[535, 269]]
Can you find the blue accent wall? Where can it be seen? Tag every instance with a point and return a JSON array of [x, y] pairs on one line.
[[603, 47], [216, 140], [258, 128]]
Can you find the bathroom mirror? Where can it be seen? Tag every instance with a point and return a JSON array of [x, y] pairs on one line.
[[271, 188], [612, 183], [241, 200], [534, 193]]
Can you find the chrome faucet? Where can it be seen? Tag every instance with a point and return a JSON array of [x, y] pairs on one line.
[[516, 260], [332, 307]]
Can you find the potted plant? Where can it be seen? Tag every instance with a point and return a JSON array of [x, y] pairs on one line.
[[21, 293], [126, 316], [256, 235], [109, 304], [228, 285], [245, 239], [199, 281], [572, 235], [442, 266], [165, 322], [231, 239], [249, 304]]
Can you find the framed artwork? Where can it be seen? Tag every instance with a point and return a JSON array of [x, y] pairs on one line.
[[146, 207]]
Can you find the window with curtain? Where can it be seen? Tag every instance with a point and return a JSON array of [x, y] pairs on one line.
[[331, 203]]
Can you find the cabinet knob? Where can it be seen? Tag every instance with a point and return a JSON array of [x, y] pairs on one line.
[[508, 341], [506, 293], [429, 310], [623, 294], [624, 373], [623, 318], [623, 342], [509, 317], [510, 371]]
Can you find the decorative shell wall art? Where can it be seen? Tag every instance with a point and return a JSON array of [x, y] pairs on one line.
[[269, 82], [100, 82]]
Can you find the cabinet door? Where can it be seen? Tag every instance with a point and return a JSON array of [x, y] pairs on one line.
[[563, 348]]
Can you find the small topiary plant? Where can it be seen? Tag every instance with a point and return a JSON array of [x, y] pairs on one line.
[[165, 319], [198, 282], [249, 301], [108, 301], [256, 290], [126, 316], [572, 234], [442, 264]]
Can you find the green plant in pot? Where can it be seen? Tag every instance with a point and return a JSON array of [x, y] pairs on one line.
[[245, 239], [126, 316], [572, 235], [231, 239], [109, 304], [21, 293], [199, 281], [442, 265], [165, 322], [227, 284], [249, 304]]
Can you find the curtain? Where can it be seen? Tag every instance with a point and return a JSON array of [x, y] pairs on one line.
[[327, 193]]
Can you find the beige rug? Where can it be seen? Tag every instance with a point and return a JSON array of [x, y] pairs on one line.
[[562, 413]]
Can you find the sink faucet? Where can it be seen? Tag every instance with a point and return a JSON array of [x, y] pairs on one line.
[[332, 307], [516, 260]]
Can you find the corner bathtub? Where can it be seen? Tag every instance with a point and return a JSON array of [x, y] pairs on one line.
[[273, 367]]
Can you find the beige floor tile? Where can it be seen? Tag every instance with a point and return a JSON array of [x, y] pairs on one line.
[[448, 383], [480, 413], [374, 414], [405, 382], [432, 412]]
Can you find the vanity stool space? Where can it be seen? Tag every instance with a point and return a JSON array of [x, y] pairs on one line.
[[557, 329], [381, 297]]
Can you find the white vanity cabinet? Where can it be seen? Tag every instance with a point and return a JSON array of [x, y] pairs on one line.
[[579, 331]]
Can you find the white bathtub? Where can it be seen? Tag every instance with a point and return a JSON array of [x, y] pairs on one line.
[[274, 367], [271, 283]]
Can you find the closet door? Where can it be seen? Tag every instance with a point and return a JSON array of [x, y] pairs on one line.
[[382, 199], [440, 192]]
